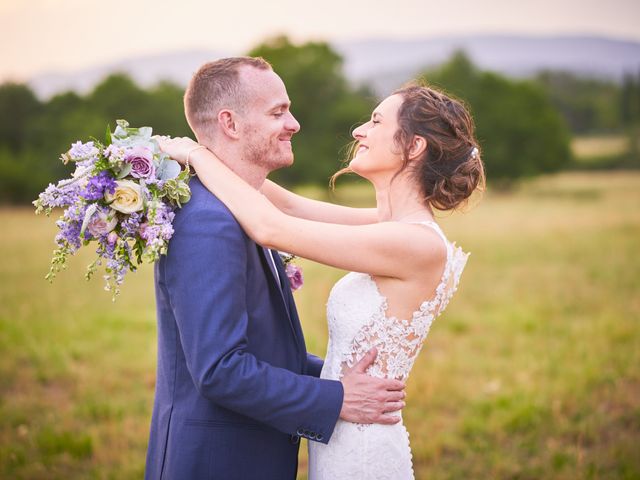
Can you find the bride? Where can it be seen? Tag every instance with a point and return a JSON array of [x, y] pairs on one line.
[[419, 151]]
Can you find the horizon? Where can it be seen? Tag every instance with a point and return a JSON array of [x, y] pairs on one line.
[[142, 29], [229, 52]]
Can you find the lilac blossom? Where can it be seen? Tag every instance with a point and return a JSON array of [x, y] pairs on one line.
[[130, 225], [98, 185], [70, 225], [83, 153], [57, 196]]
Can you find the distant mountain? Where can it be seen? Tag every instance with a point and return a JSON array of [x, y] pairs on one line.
[[385, 64], [175, 66]]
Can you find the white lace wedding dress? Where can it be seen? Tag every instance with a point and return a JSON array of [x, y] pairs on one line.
[[357, 319]]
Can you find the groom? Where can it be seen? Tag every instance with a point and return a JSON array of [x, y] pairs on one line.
[[236, 388]]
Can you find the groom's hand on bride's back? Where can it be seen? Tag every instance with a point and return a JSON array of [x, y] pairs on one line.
[[370, 399]]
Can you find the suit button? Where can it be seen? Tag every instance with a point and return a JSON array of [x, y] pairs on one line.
[[300, 432], [294, 439], [319, 437]]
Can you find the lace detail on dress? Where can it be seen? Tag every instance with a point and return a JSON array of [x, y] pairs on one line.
[[356, 313], [399, 341]]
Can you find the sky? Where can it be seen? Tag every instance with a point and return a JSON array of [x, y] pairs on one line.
[[44, 36]]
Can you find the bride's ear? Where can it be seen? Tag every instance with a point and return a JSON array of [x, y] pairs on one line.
[[228, 123], [418, 147]]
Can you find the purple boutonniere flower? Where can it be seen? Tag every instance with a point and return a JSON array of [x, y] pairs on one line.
[[294, 272]]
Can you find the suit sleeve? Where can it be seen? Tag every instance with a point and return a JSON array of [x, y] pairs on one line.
[[205, 280], [314, 365]]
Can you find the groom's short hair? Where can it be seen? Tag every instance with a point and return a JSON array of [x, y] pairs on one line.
[[216, 85]]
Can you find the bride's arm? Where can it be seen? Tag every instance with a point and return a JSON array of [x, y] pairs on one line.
[[388, 249], [302, 207]]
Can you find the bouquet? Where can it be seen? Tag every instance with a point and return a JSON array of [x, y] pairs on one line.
[[121, 198]]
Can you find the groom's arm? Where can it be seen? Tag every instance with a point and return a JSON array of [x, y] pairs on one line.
[[314, 365], [205, 280]]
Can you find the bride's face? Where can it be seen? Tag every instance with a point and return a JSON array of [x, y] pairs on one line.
[[377, 154]]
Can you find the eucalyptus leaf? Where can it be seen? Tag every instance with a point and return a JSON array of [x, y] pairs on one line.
[[145, 132], [168, 169], [119, 132], [126, 170]]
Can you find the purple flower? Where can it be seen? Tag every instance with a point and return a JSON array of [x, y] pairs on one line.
[[141, 160], [98, 185], [294, 274], [82, 151], [153, 233], [130, 225], [70, 225], [144, 231], [56, 196], [112, 238]]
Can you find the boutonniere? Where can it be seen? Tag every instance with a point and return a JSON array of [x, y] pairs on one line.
[[293, 271]]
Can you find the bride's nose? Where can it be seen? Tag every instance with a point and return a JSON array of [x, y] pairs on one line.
[[359, 132]]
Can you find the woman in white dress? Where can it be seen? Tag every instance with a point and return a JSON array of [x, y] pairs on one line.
[[419, 152]]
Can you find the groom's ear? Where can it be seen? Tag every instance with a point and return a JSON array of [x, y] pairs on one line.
[[228, 124]]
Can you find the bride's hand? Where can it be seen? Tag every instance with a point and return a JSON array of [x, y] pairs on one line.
[[178, 148]]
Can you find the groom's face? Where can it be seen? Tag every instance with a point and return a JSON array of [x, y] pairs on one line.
[[267, 124]]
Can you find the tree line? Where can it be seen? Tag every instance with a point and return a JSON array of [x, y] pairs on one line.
[[524, 126]]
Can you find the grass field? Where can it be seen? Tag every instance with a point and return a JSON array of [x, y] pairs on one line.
[[533, 372], [599, 146]]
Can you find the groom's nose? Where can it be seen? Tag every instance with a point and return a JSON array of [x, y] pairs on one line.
[[292, 124]]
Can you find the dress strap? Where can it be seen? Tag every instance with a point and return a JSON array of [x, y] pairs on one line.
[[439, 231]]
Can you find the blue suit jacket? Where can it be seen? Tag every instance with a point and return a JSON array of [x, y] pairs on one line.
[[235, 386]]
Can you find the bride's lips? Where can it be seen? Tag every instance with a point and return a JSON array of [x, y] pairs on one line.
[[361, 148]]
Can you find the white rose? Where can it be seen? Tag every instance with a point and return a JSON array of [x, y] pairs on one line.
[[127, 197]]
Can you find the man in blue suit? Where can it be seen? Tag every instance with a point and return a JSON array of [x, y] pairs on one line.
[[236, 388]]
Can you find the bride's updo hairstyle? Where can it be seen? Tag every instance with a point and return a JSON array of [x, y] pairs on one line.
[[451, 169]]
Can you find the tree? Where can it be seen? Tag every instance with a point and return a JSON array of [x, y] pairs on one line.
[[117, 96], [519, 130], [33, 134], [588, 105], [18, 108], [165, 112]]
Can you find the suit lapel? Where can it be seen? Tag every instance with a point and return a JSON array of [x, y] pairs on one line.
[[276, 276], [276, 285], [293, 313]]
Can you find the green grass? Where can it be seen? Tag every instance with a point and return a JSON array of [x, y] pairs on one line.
[[533, 372]]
